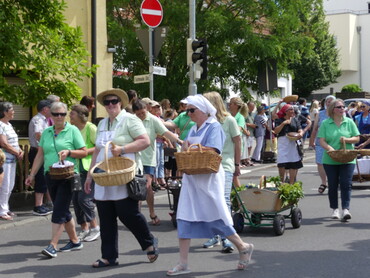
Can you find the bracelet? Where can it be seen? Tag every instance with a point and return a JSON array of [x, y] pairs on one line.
[[237, 164], [69, 153], [32, 176]]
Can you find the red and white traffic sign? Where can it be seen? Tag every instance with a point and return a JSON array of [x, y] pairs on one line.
[[151, 12]]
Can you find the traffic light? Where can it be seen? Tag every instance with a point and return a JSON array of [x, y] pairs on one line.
[[197, 54]]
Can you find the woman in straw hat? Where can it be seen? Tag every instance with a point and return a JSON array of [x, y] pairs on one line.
[[129, 137], [202, 209]]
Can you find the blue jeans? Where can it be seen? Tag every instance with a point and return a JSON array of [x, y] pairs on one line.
[[228, 184], [159, 170], [339, 175]]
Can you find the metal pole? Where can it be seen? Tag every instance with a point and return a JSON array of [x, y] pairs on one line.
[[151, 57], [192, 84]]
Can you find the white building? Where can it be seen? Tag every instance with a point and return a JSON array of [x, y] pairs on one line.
[[350, 24]]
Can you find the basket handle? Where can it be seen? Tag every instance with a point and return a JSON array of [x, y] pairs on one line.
[[60, 159], [196, 145], [106, 154]]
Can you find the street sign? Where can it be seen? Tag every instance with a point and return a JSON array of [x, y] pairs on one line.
[[160, 35], [159, 71], [151, 12], [141, 78]]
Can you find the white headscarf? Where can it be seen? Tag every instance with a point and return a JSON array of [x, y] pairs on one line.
[[202, 104]]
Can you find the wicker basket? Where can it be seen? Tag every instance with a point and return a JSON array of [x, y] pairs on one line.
[[61, 173], [364, 152], [293, 136], [197, 161], [118, 170], [344, 155], [292, 98]]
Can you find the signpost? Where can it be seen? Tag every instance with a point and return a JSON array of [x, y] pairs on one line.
[[144, 78], [152, 14]]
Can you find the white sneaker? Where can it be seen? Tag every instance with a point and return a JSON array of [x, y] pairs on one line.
[[346, 215], [94, 234], [335, 214], [83, 234]]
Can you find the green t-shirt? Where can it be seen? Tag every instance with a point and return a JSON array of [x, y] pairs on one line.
[[180, 121], [240, 121], [69, 138], [231, 130], [332, 133], [153, 126], [89, 136]]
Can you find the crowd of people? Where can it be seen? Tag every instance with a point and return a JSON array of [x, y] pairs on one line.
[[146, 131]]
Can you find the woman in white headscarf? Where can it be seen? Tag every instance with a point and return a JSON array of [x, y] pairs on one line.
[[202, 209]]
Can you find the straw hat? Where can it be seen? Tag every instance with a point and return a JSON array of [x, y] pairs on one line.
[[118, 92]]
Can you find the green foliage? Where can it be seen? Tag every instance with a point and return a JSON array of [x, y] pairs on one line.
[[351, 88], [38, 46], [290, 193], [319, 66], [240, 33]]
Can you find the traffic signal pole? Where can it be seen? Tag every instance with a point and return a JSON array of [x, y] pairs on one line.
[[192, 84]]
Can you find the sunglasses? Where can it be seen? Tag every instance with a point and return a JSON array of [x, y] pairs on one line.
[[58, 114], [191, 110], [363, 106], [340, 107], [108, 101]]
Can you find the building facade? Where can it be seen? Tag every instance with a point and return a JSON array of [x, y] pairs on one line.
[[350, 24]]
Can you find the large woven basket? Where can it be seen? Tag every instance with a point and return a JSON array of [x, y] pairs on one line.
[[61, 173], [118, 170], [292, 98], [293, 136], [344, 155], [197, 161], [364, 152]]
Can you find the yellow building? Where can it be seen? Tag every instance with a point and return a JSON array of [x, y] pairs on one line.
[[92, 21]]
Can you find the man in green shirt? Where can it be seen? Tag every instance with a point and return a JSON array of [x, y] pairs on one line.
[[153, 126]]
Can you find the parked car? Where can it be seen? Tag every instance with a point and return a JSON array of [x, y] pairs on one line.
[[348, 101]]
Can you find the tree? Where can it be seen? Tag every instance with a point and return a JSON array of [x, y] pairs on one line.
[[39, 47], [318, 67], [240, 33]]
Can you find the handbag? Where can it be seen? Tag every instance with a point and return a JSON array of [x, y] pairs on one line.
[[299, 148], [77, 184], [136, 188]]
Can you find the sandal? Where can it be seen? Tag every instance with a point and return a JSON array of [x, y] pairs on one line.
[[322, 188], [155, 220], [179, 270], [242, 264], [100, 263], [6, 217], [153, 255], [10, 213]]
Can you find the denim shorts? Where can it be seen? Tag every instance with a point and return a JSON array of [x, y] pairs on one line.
[[149, 170]]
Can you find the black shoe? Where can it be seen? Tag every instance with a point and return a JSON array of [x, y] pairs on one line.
[[41, 211]]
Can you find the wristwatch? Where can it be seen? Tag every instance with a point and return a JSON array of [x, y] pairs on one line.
[[123, 151], [237, 164]]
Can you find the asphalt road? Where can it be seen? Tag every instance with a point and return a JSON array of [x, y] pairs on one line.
[[321, 247]]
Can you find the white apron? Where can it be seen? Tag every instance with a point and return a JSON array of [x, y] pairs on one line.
[[287, 150], [103, 193], [202, 196]]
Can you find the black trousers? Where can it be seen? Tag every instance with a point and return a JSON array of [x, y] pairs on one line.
[[127, 210]]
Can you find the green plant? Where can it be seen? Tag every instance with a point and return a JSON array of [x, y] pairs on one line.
[[290, 193], [351, 88]]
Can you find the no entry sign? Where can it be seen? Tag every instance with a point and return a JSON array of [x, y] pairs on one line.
[[151, 12]]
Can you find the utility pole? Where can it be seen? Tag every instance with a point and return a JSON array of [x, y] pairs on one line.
[[192, 31]]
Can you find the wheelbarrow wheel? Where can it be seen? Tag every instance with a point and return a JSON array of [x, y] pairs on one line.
[[296, 218], [238, 220], [279, 225]]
